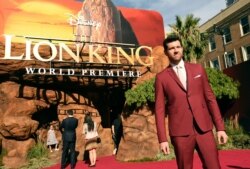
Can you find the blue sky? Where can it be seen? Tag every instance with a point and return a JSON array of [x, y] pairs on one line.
[[203, 9]]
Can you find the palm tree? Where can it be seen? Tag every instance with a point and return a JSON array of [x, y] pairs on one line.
[[188, 31]]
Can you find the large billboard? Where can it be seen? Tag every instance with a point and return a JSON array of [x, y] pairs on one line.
[[97, 21], [73, 31]]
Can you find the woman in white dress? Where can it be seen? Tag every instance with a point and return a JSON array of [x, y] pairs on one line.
[[51, 139]]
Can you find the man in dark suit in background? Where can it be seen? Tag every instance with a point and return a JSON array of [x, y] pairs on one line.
[[68, 127], [184, 91]]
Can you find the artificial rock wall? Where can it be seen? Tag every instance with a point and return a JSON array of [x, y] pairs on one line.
[[30, 103]]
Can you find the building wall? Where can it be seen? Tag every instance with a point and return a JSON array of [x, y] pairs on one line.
[[240, 108], [230, 17]]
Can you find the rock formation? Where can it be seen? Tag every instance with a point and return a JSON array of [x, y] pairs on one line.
[[139, 129], [101, 22]]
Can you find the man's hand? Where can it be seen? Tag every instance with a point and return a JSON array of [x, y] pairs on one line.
[[165, 148], [222, 137]]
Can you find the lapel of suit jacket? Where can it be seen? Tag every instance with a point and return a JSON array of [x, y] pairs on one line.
[[175, 77], [189, 76]]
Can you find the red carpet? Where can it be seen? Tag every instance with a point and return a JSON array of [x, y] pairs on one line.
[[229, 159]]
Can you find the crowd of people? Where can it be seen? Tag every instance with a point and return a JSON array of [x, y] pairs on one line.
[[68, 128]]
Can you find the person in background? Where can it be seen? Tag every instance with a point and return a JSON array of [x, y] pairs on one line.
[[90, 132], [116, 130], [68, 128], [51, 139], [182, 91]]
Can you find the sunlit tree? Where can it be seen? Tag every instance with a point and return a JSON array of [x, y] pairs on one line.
[[193, 43]]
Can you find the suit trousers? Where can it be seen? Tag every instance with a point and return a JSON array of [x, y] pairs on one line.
[[203, 143], [68, 151]]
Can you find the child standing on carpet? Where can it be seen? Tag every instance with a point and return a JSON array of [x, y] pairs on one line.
[[51, 139]]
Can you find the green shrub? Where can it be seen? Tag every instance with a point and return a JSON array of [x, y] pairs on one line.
[[237, 138], [141, 94], [160, 156], [38, 151], [222, 85], [145, 159], [37, 157], [241, 141], [3, 153], [36, 163]]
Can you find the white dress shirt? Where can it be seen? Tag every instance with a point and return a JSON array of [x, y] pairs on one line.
[[181, 72]]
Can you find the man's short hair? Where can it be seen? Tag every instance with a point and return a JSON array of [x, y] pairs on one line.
[[170, 38], [70, 112]]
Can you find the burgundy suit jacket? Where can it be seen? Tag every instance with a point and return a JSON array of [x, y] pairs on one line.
[[182, 106]]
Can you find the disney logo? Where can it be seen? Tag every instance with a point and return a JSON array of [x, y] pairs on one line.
[[80, 20]]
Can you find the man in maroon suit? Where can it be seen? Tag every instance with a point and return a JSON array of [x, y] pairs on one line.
[[191, 108]]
